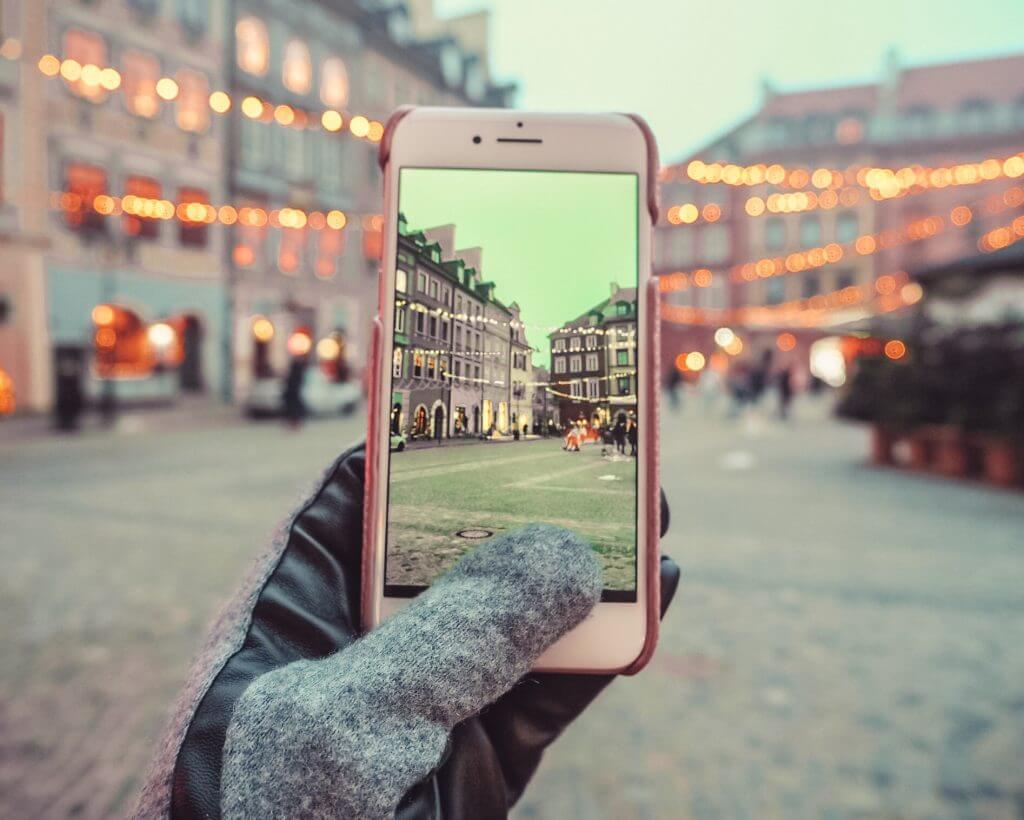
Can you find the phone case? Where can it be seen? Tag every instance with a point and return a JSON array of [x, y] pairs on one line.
[[652, 356]]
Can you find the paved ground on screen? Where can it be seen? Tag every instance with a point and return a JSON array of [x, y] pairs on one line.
[[488, 487], [845, 642]]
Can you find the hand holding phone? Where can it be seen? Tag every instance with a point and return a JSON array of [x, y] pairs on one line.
[[514, 371]]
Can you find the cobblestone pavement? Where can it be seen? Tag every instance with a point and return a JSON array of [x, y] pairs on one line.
[[846, 642]]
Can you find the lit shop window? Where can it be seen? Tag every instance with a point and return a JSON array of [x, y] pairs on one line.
[[193, 109], [193, 227], [192, 14], [122, 347], [297, 70], [82, 184], [85, 48], [252, 46], [330, 247], [144, 222], [141, 74], [290, 250], [250, 235], [396, 363], [334, 83]]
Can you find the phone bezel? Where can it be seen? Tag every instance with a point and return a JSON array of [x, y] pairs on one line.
[[615, 634]]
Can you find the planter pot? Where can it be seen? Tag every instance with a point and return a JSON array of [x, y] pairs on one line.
[[882, 441], [921, 447], [951, 452], [1001, 462]]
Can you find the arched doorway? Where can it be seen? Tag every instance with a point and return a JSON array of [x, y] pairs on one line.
[[419, 421], [438, 429], [396, 419]]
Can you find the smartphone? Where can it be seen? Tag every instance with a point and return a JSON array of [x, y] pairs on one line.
[[514, 368]]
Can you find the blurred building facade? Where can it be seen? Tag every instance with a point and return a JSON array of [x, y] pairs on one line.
[[365, 58], [117, 115], [931, 116]]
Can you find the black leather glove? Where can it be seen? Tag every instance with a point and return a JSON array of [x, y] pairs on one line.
[[305, 604]]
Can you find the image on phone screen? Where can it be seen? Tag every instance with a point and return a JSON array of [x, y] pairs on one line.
[[514, 367]]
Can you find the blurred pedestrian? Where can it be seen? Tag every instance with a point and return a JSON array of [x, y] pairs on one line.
[[785, 381], [438, 432], [672, 383], [619, 433], [291, 398], [632, 433]]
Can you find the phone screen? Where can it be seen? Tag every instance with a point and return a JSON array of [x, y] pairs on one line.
[[514, 367]]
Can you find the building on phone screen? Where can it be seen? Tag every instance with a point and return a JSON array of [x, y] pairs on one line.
[[593, 362]]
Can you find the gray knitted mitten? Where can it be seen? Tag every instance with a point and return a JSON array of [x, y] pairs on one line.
[[349, 735]]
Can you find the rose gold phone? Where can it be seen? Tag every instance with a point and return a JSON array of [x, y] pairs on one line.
[[514, 375]]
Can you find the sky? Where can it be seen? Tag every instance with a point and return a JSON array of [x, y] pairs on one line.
[[552, 242], [694, 68]]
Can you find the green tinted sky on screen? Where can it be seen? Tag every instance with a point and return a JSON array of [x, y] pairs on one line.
[[552, 241]]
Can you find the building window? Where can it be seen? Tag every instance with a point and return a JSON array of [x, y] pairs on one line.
[[250, 235], [433, 326], [810, 285], [1018, 113], [576, 389], [147, 224], [622, 308], [329, 249], [147, 7], [844, 280], [421, 321], [334, 83], [255, 143], [558, 344], [421, 282], [592, 362], [401, 280], [775, 290], [846, 226], [290, 250], [252, 46], [86, 48], [431, 367], [296, 153], [400, 320], [446, 295], [575, 364], [193, 232], [193, 109], [623, 385], [192, 15], [444, 330], [976, 116], [820, 128], [680, 246], [918, 122], [774, 233], [458, 304], [810, 230], [591, 342], [575, 343], [329, 174], [621, 357], [476, 372], [297, 70], [82, 184], [593, 389], [560, 365], [396, 363], [433, 289], [417, 364], [716, 244], [141, 74]]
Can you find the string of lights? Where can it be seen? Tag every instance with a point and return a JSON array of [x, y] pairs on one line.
[[1002, 237], [914, 231], [888, 292], [99, 80], [872, 177], [206, 213], [881, 184]]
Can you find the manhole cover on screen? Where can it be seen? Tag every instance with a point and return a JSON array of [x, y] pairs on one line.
[[474, 533]]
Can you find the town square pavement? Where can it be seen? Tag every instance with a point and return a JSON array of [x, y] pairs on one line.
[[845, 642]]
